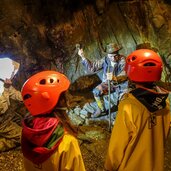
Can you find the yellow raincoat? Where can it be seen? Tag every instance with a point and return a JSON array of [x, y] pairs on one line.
[[137, 139], [67, 157]]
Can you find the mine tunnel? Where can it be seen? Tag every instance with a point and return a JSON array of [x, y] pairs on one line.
[[46, 35]]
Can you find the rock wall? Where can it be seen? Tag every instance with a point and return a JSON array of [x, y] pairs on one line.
[[42, 34]]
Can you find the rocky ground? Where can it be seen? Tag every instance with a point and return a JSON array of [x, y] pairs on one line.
[[93, 145]]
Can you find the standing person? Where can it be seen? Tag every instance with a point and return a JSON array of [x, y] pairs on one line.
[[48, 138], [142, 124], [10, 132], [114, 64]]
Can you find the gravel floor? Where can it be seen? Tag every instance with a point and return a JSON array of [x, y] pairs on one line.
[[93, 153]]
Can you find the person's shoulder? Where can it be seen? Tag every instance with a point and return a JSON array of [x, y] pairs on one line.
[[124, 96], [68, 142], [68, 138], [127, 102], [128, 98]]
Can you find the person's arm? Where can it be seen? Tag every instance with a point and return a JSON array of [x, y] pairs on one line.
[[89, 65], [71, 158], [120, 137]]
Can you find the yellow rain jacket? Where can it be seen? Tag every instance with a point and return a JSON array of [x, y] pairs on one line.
[[138, 137], [67, 157]]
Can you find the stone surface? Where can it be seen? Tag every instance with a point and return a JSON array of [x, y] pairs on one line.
[[42, 38]]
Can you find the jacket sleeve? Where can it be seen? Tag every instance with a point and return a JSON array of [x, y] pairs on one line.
[[71, 158], [120, 137], [93, 66], [8, 93]]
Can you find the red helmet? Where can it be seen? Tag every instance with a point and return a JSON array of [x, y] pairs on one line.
[[143, 65], [41, 91]]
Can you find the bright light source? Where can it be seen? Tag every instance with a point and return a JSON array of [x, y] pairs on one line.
[[6, 69]]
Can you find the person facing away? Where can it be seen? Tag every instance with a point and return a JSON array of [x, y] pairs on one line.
[[48, 138], [113, 68], [142, 124], [10, 132]]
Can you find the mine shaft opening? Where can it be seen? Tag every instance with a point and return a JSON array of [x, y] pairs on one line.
[[8, 69]]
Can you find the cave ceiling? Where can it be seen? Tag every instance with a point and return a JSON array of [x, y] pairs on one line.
[[42, 34]]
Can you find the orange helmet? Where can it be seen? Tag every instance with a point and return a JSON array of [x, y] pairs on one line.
[[41, 92], [143, 65]]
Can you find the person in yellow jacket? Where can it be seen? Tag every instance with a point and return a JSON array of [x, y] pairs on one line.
[[142, 123], [48, 138]]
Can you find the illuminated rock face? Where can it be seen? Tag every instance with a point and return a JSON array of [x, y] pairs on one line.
[[42, 35]]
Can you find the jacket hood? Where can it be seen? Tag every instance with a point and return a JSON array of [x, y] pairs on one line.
[[153, 100], [41, 139]]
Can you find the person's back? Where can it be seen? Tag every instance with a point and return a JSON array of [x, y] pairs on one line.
[[48, 138], [144, 136], [143, 119]]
